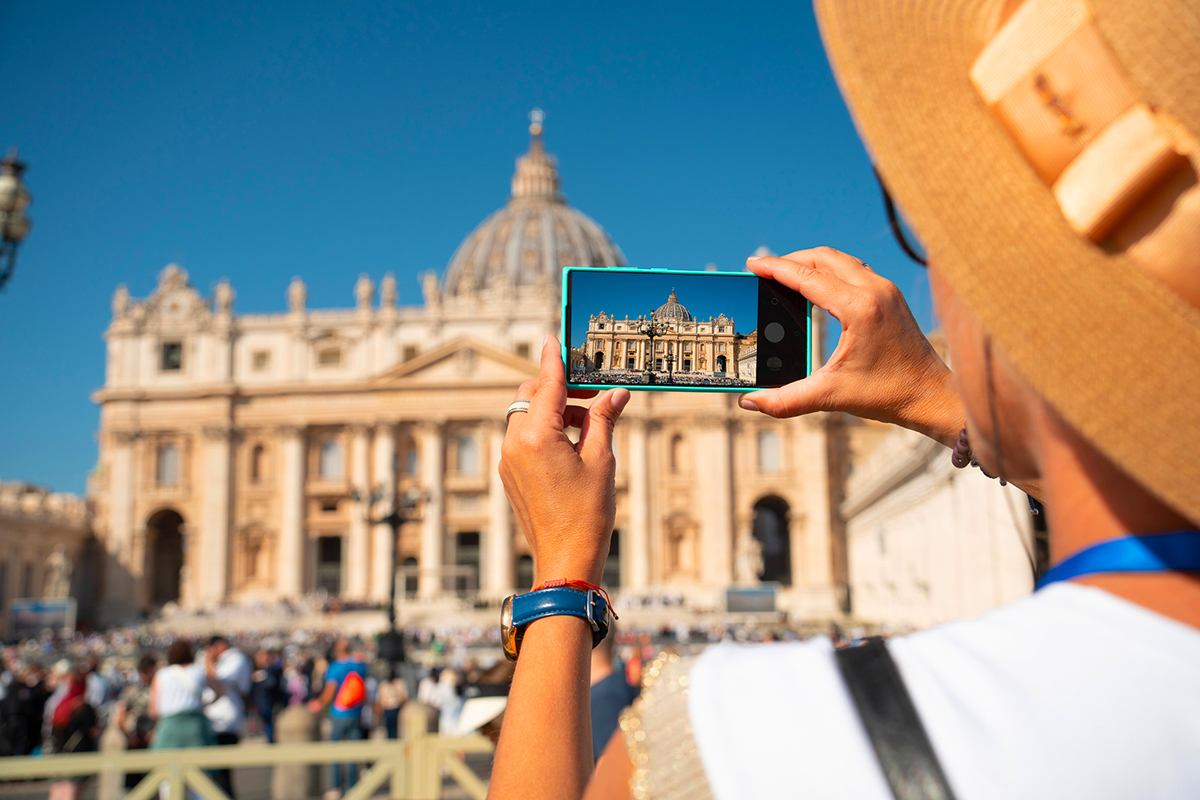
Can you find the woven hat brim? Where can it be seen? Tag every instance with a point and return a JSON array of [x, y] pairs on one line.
[[1114, 351]]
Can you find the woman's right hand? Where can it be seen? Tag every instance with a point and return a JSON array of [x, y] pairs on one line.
[[883, 367]]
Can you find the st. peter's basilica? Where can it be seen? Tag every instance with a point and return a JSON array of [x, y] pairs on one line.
[[242, 456]]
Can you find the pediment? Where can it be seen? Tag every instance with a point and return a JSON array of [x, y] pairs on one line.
[[461, 360]]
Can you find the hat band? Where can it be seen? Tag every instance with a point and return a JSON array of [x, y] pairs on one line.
[[1118, 168]]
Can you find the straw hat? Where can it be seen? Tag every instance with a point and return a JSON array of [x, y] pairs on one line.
[[1046, 153]]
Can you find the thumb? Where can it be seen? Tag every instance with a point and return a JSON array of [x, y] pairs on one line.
[[595, 435], [799, 397]]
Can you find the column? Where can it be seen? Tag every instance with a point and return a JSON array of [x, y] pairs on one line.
[[637, 558], [498, 579], [383, 545], [290, 575], [210, 586], [357, 542], [716, 530], [119, 595], [432, 443]]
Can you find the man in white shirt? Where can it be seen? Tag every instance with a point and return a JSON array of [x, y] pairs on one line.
[[227, 713]]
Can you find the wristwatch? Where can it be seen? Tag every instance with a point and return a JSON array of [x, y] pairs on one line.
[[521, 609]]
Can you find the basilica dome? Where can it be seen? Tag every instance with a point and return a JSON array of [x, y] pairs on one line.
[[672, 310], [533, 237]]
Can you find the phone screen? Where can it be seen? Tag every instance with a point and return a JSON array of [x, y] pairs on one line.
[[664, 330]]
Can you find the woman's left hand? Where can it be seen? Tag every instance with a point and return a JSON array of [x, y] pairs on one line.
[[563, 494]]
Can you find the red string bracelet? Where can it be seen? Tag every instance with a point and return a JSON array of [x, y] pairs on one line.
[[580, 586]]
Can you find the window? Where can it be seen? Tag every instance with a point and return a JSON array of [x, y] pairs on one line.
[[260, 360], [721, 347], [172, 357], [329, 465], [720, 329], [329, 506], [658, 347], [611, 578], [166, 465], [467, 455], [678, 453], [410, 352], [658, 363], [768, 452], [599, 326], [410, 458], [523, 349], [524, 573], [411, 577], [256, 464], [329, 356], [687, 347], [600, 345], [329, 564]]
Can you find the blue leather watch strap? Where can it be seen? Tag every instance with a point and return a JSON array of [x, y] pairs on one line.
[[572, 602]]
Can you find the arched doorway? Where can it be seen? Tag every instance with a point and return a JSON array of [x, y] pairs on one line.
[[721, 364], [771, 531], [599, 360], [164, 556]]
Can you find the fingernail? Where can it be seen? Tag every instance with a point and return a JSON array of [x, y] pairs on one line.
[[620, 399], [545, 339], [747, 404]]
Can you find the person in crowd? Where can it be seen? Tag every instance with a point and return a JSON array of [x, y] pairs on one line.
[[226, 711], [427, 688], [74, 728], [133, 712], [1061, 238], [450, 700], [391, 695], [176, 698], [610, 693], [268, 691], [344, 695]]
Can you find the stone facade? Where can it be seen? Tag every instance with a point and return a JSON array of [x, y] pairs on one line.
[[43, 545], [239, 453], [685, 346], [930, 543]]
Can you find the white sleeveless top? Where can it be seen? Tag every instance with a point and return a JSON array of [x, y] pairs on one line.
[[179, 688], [1071, 692]]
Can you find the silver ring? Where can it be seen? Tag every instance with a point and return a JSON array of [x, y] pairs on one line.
[[517, 405]]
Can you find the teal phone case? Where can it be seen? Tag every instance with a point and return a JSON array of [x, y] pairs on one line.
[[658, 387]]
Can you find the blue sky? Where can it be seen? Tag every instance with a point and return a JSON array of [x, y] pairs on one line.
[[624, 294], [257, 141]]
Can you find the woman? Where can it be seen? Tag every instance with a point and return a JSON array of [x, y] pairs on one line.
[[391, 695], [175, 699], [1061, 230]]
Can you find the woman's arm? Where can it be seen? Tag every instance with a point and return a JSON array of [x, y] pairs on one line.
[[564, 497], [152, 708], [883, 367]]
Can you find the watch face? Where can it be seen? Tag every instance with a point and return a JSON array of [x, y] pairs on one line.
[[508, 633]]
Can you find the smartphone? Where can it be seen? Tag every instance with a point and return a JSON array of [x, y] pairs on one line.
[[670, 330]]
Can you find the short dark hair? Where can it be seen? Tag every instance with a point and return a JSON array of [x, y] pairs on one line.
[[147, 663], [216, 640], [180, 652]]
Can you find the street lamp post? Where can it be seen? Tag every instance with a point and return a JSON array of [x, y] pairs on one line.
[[391, 643], [651, 328], [14, 225]]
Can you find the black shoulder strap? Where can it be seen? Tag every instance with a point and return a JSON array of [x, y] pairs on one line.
[[909, 763]]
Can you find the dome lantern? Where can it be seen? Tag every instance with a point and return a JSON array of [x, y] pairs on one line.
[[528, 241]]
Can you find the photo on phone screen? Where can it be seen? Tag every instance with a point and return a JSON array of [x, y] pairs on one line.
[[689, 331]]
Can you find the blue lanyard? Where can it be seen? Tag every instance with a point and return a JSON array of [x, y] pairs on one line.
[[1178, 551]]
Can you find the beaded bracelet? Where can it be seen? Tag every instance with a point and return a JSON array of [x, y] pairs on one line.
[[578, 585], [962, 456]]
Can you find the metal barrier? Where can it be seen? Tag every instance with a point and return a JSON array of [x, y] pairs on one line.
[[414, 766]]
